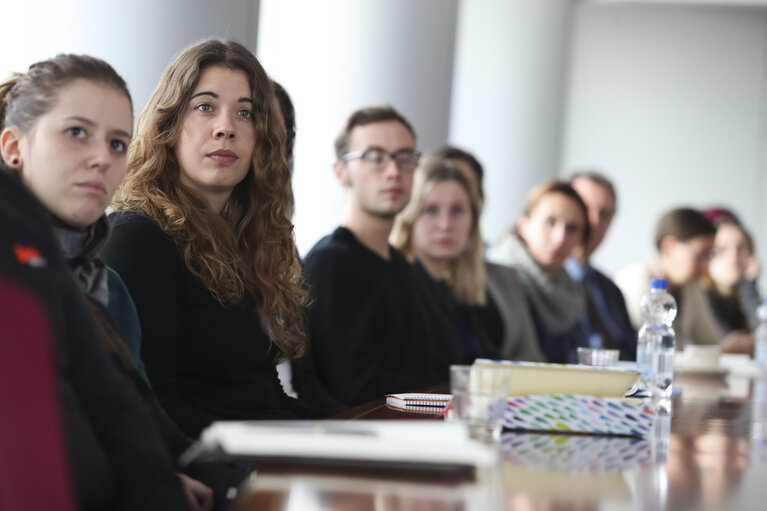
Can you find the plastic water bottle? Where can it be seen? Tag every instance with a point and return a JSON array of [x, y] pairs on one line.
[[760, 350], [655, 341]]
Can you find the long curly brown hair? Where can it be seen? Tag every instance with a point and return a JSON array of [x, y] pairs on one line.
[[247, 253]]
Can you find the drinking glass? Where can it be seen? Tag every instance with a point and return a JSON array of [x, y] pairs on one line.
[[480, 395]]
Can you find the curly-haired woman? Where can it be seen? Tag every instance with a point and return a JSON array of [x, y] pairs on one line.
[[203, 239]]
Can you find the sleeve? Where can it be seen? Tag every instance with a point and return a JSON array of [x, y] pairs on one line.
[[123, 312], [148, 262], [307, 385], [144, 473], [698, 323], [748, 294], [348, 332], [520, 341]]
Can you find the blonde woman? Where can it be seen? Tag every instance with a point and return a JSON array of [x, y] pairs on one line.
[[439, 232], [203, 239]]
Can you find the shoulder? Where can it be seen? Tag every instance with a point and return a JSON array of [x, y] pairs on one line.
[[501, 272], [132, 229], [340, 251], [339, 242], [133, 221], [604, 281]]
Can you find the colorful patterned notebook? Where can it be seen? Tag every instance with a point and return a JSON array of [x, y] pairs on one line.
[[569, 413]]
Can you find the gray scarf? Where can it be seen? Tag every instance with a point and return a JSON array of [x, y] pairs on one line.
[[557, 301], [80, 248]]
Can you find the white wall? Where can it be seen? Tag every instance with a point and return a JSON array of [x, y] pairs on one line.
[[670, 102], [510, 71], [336, 56], [138, 37]]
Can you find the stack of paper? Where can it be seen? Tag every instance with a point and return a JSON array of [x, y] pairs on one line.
[[368, 443]]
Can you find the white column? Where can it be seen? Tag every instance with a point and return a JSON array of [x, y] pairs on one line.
[[138, 38], [508, 86], [336, 56]]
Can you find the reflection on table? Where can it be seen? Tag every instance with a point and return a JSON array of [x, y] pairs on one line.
[[710, 454]]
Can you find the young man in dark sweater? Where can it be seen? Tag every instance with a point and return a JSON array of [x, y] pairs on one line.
[[368, 334]]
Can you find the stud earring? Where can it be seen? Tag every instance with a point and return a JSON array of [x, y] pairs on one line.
[[15, 161]]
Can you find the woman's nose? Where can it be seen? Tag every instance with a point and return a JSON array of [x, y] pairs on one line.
[[225, 129]]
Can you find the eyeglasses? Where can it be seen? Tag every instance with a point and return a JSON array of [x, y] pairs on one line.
[[406, 159]]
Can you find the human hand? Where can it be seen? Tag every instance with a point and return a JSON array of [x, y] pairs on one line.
[[752, 268], [738, 342], [200, 497]]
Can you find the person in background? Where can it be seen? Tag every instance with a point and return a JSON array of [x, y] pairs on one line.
[[553, 224], [439, 232], [66, 126], [369, 334], [684, 239], [203, 239], [730, 284], [606, 321], [288, 113], [505, 315]]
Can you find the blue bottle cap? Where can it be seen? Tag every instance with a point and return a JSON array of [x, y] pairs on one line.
[[659, 284]]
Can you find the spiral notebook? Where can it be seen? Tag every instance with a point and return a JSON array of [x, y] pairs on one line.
[[419, 402]]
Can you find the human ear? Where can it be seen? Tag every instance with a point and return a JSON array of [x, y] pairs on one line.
[[10, 148], [521, 226], [667, 244], [339, 169]]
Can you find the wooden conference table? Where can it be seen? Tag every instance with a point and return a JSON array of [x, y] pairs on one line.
[[715, 457]]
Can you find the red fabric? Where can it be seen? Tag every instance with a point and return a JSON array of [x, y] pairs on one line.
[[34, 468]]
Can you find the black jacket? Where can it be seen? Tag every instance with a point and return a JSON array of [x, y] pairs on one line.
[[117, 459]]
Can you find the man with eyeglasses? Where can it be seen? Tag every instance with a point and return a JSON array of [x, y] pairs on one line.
[[368, 334], [606, 322]]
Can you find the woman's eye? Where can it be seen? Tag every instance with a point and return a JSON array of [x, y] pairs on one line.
[[118, 145], [245, 114], [204, 107], [76, 132], [551, 221], [457, 210], [430, 210]]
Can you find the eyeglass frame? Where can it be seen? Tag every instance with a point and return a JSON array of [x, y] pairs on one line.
[[360, 155]]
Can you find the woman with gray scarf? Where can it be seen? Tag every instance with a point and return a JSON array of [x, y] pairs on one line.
[[553, 225]]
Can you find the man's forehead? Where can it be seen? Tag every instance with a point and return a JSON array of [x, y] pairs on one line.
[[586, 186], [381, 134]]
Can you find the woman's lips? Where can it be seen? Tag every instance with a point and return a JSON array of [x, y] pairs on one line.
[[93, 186], [223, 156]]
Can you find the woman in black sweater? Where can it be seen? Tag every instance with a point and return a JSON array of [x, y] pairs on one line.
[[203, 239], [439, 232]]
